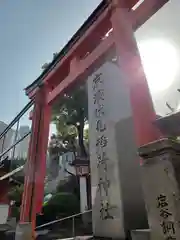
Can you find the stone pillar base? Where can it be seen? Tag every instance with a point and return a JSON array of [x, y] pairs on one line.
[[161, 184], [140, 234], [24, 231]]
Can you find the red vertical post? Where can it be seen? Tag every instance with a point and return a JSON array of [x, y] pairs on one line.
[[5, 187], [29, 171], [130, 63], [42, 155], [36, 166], [24, 214]]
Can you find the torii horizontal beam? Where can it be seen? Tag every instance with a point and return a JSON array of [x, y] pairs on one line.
[[138, 17], [97, 25]]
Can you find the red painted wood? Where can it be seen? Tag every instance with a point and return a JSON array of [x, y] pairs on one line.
[[130, 63], [34, 182], [81, 69], [138, 17], [31, 115], [124, 3], [24, 214], [42, 154], [86, 43], [29, 178], [94, 34], [4, 188]]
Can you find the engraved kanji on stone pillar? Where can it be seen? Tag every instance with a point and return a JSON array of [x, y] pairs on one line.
[[161, 179]]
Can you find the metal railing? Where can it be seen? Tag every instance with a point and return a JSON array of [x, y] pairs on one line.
[[10, 139], [72, 226], [14, 145], [16, 119]]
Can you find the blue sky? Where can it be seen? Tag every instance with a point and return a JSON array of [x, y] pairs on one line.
[[31, 31]]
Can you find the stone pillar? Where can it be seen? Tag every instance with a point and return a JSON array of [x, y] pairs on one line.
[[24, 232], [117, 200], [83, 193], [161, 179]]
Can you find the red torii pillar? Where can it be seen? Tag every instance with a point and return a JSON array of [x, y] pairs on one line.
[[36, 166], [130, 62]]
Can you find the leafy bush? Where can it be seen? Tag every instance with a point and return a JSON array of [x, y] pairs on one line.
[[59, 206], [15, 194], [70, 186]]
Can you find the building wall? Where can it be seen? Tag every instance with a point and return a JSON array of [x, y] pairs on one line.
[[21, 150], [8, 138]]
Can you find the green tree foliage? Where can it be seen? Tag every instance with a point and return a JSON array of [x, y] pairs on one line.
[[86, 137], [70, 186], [15, 195], [15, 212], [70, 114], [60, 205], [62, 144]]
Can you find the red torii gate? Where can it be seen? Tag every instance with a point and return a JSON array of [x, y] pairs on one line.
[[85, 50]]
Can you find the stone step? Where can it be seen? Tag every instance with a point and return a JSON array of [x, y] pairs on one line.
[[140, 234]]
